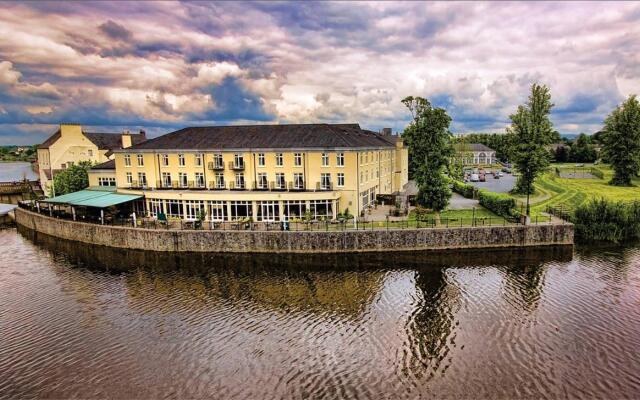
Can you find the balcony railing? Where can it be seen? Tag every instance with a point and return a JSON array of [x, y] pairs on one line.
[[236, 166], [293, 187], [234, 186], [322, 186], [213, 185], [215, 166]]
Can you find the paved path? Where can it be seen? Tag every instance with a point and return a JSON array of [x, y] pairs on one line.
[[458, 202]]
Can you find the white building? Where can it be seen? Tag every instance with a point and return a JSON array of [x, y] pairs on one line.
[[474, 154]]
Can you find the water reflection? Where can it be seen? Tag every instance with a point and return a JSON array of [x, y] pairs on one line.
[[86, 321]]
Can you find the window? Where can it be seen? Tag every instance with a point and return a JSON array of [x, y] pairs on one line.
[[140, 160], [142, 179], [127, 160], [199, 179], [129, 178], [90, 152], [325, 181], [174, 208], [325, 159], [365, 198], [262, 181], [105, 181], [155, 207], [260, 159], [217, 210], [268, 211], [361, 176], [182, 179], [240, 180], [219, 180], [181, 160], [198, 160], [193, 208], [165, 160], [321, 209], [238, 161], [297, 159], [298, 181], [294, 209], [217, 161], [279, 160], [166, 179], [341, 179], [280, 184], [240, 210], [340, 159]]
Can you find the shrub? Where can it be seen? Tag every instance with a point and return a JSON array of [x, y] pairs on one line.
[[464, 189], [603, 220], [597, 173], [500, 203]]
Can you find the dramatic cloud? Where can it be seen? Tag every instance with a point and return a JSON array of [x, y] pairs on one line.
[[127, 65]]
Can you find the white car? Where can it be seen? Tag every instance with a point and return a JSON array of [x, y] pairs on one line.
[[475, 178]]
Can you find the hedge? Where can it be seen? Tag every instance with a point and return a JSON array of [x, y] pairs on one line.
[[500, 203], [603, 220], [464, 189]]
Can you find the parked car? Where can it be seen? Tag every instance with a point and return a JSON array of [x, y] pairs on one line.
[[474, 178], [500, 174], [496, 176]]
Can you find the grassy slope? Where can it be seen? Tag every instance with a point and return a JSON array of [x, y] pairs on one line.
[[569, 193]]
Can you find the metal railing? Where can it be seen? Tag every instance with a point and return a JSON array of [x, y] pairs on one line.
[[247, 224]]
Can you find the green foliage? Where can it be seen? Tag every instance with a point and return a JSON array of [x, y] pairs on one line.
[[621, 141], [72, 179], [582, 150], [604, 220], [597, 173], [464, 189], [560, 154], [500, 203], [531, 132], [429, 142], [345, 215]]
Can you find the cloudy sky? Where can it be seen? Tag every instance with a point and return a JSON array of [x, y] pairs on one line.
[[167, 65]]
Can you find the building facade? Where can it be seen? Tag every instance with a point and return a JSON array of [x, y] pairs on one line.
[[474, 154], [70, 144], [263, 172]]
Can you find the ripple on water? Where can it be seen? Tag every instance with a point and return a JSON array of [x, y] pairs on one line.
[[87, 322]]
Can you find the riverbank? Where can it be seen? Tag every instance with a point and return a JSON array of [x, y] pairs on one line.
[[377, 240]]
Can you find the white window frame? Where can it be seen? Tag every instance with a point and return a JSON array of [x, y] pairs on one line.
[[181, 160], [199, 181], [261, 160], [238, 160], [298, 180], [197, 159], [168, 204], [297, 159], [268, 211], [281, 183], [263, 183], [183, 180], [127, 160], [142, 179], [340, 179], [340, 159], [166, 179], [218, 161], [192, 208], [219, 180], [129, 177], [279, 160], [165, 160], [325, 181], [140, 159], [240, 183], [217, 210], [325, 159]]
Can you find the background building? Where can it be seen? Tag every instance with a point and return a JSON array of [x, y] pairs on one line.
[[70, 145], [474, 154], [266, 172]]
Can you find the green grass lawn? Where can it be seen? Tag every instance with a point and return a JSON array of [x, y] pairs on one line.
[[569, 193]]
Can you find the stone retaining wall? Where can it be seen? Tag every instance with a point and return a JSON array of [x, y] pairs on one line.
[[298, 242]]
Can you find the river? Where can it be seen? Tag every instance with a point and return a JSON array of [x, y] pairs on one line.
[[16, 171], [85, 322]]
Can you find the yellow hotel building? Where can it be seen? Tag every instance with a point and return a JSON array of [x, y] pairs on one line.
[[265, 172]]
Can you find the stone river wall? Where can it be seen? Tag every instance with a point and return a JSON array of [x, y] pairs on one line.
[[298, 242]]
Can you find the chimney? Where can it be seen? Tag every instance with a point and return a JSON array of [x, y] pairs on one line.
[[126, 139], [386, 131], [143, 133]]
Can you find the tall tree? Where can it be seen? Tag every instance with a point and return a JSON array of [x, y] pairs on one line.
[[72, 179], [621, 141], [531, 132], [582, 150], [429, 142]]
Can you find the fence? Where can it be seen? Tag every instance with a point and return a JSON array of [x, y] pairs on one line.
[[561, 211], [313, 225]]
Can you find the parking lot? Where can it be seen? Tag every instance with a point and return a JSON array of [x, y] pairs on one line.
[[502, 185]]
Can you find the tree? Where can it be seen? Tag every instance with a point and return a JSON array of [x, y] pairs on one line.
[[582, 150], [560, 154], [531, 132], [429, 142], [72, 179], [621, 141]]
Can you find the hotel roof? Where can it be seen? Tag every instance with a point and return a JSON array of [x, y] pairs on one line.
[[295, 136], [102, 140], [471, 147]]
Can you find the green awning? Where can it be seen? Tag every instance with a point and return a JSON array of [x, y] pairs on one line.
[[100, 198]]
